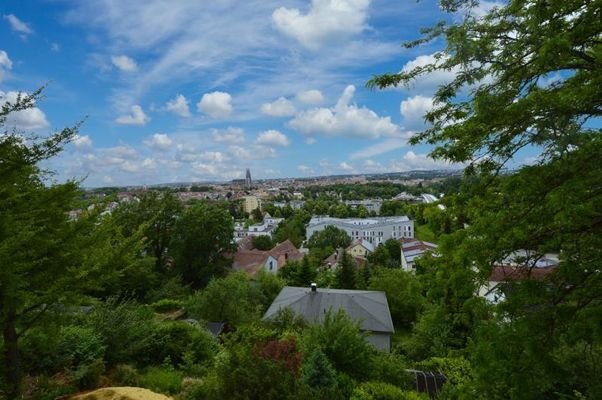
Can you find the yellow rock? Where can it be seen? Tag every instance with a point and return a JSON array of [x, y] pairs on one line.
[[121, 393]]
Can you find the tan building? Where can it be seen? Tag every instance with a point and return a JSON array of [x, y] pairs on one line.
[[250, 203]]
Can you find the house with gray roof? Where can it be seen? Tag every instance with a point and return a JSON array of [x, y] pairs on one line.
[[368, 307]]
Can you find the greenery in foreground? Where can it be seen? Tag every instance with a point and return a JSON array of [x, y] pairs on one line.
[[87, 302]]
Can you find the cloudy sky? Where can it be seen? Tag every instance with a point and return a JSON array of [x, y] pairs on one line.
[[194, 90]]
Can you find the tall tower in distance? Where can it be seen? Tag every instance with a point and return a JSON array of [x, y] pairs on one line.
[[248, 180]]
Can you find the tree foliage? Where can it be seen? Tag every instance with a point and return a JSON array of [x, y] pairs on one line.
[[331, 236], [201, 241], [528, 76]]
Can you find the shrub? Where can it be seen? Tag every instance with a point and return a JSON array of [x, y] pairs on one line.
[[342, 342], [124, 375], [164, 380], [126, 329], [80, 345], [165, 305], [87, 376], [391, 368], [175, 339], [47, 388], [383, 391]]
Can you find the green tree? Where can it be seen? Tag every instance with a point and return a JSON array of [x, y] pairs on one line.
[[505, 61], [394, 249], [346, 272], [263, 242], [232, 299], [317, 372], [340, 339], [47, 260], [404, 294], [158, 212], [329, 236], [202, 238]]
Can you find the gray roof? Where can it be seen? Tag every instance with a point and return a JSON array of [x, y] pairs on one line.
[[370, 307]]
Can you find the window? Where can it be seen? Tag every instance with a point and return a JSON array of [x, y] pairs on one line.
[[271, 265]]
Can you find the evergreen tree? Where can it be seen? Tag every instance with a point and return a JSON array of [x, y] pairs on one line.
[[346, 272]]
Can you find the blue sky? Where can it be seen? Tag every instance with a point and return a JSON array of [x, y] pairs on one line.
[[193, 90]]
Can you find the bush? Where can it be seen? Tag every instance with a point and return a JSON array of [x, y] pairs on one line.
[[124, 375], [126, 329], [391, 368], [164, 380], [340, 339], [47, 388], [165, 305], [79, 345], [383, 391], [170, 289], [87, 376], [175, 339]]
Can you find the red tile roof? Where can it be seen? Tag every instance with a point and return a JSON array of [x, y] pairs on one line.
[[505, 273]]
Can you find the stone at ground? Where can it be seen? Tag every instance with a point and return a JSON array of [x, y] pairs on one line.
[[121, 393]]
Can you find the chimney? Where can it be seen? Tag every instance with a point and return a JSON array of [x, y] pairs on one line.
[[314, 287]]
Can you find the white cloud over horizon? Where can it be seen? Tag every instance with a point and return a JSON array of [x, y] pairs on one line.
[[344, 119], [272, 137]]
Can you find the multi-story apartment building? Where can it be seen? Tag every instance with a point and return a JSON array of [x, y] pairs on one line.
[[250, 203], [373, 230], [372, 205]]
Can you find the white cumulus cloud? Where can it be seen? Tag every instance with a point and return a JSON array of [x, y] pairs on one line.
[[229, 135], [179, 106], [418, 161], [137, 117], [326, 21], [124, 63], [413, 110], [5, 64], [280, 107], [29, 119], [272, 137], [344, 119], [310, 97], [82, 142], [216, 104], [159, 141]]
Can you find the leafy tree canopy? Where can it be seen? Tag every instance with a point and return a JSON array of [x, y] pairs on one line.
[[528, 75]]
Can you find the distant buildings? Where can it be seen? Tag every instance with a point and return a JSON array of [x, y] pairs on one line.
[[294, 204], [250, 203], [266, 228], [413, 249], [375, 230], [251, 261], [248, 180], [372, 205]]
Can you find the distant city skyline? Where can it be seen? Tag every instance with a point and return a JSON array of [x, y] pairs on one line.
[[200, 91]]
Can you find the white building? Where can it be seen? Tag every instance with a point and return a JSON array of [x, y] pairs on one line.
[[412, 249], [375, 230], [266, 228], [372, 205], [251, 203]]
